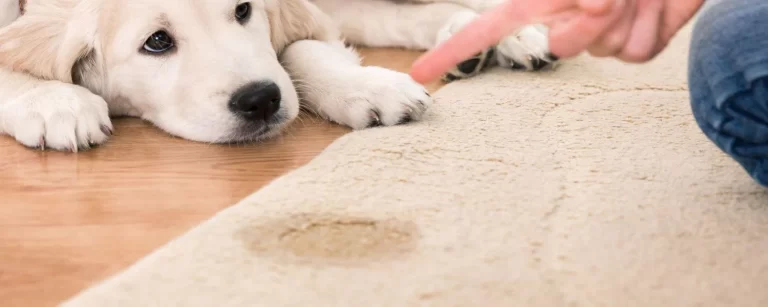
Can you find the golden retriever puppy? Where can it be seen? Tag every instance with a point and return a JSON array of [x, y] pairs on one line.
[[218, 71]]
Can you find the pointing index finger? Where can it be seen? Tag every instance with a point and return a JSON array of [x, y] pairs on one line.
[[485, 31]]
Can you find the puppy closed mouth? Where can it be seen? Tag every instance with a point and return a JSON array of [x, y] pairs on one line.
[[256, 131]]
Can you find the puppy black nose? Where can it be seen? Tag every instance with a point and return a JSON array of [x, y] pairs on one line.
[[256, 101]]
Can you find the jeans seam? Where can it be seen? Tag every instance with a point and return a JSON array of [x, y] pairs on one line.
[[724, 106]]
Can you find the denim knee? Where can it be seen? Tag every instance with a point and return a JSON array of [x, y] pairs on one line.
[[728, 79]]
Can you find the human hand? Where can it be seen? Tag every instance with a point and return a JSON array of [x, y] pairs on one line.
[[631, 30], [487, 30]]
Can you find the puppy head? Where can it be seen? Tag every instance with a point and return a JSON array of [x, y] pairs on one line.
[[204, 70]]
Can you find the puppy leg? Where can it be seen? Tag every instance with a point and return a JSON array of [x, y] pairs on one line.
[[476, 5], [333, 84], [427, 23], [388, 23], [51, 114]]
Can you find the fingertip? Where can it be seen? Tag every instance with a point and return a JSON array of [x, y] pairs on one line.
[[637, 57], [639, 54], [419, 73], [419, 78]]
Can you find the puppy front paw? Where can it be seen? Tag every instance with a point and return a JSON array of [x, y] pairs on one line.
[[57, 116], [379, 97], [528, 50], [469, 67]]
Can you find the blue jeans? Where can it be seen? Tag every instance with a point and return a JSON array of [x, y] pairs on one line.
[[728, 79]]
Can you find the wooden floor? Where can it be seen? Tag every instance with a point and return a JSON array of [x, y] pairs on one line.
[[70, 220]]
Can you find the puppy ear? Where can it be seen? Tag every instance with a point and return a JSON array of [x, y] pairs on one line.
[[47, 41], [293, 20]]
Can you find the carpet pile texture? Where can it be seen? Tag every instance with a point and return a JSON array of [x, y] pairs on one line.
[[589, 185]]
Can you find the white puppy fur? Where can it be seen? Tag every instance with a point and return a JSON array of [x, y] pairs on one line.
[[9, 11], [68, 65]]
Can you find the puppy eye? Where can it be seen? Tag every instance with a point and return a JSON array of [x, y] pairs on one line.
[[158, 43], [243, 12]]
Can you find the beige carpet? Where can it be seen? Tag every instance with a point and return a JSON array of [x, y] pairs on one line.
[[587, 186]]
